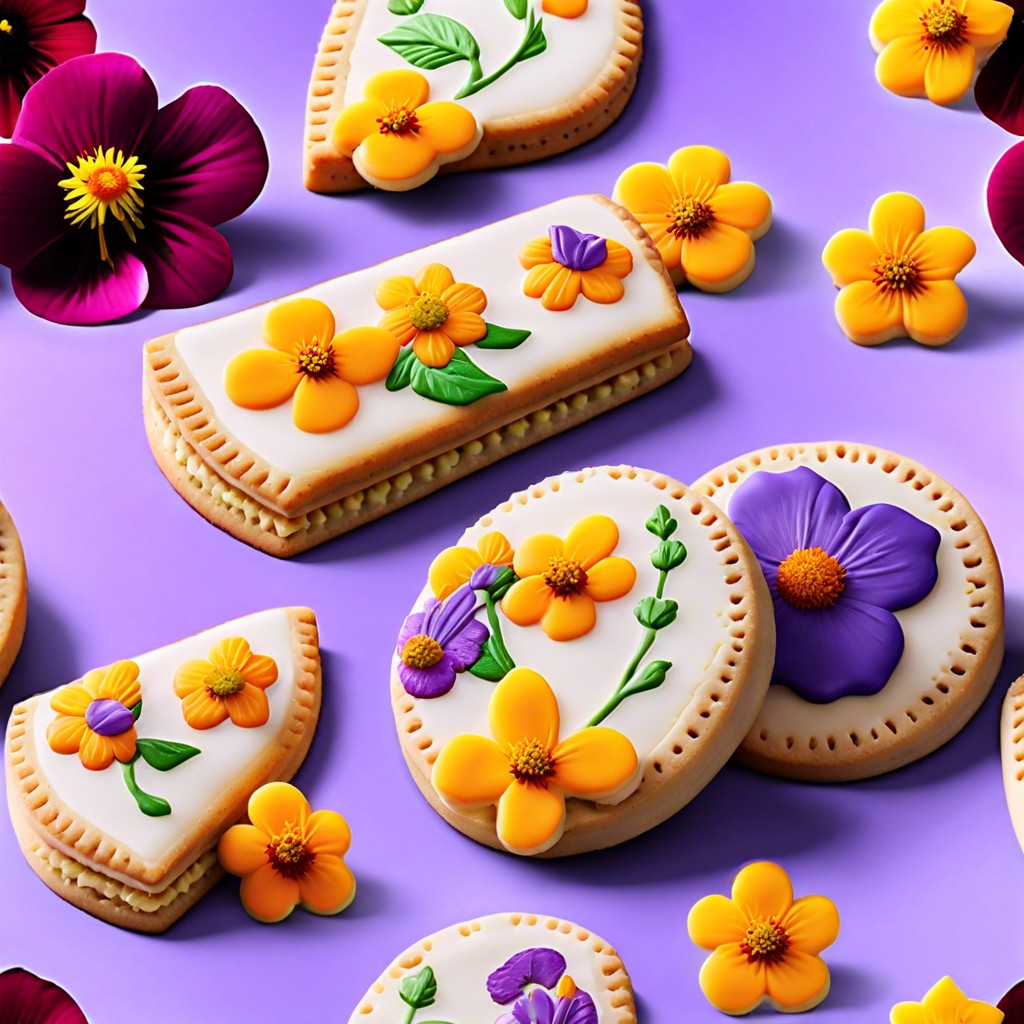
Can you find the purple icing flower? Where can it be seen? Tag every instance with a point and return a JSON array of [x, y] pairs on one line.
[[438, 642], [484, 576], [836, 577], [108, 717], [27, 999], [538, 1007], [577, 250], [537, 966]]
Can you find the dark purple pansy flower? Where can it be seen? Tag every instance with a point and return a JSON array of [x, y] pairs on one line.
[[26, 999], [577, 250], [1012, 1005], [110, 202], [836, 577], [538, 1007], [537, 966], [438, 642], [1006, 200], [999, 90]]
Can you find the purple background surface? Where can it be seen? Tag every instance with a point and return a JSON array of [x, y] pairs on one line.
[[923, 864]]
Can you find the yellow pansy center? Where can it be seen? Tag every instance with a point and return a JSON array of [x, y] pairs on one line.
[[223, 683], [427, 312], [398, 120], [896, 273], [288, 853], [765, 939], [944, 25], [421, 651], [316, 359], [6, 27], [689, 216], [530, 761], [810, 578], [565, 576]]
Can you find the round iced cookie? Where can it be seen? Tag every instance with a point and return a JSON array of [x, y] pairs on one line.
[[505, 967], [888, 606], [1011, 741], [13, 593], [581, 662]]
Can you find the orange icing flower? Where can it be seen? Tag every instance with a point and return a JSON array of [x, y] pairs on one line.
[[932, 47], [765, 944], [308, 361], [230, 685], [290, 854], [945, 1004], [703, 225], [559, 581], [94, 716], [565, 8], [526, 771], [396, 139], [433, 311], [896, 279], [454, 566]]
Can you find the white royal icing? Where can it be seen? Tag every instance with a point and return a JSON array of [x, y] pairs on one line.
[[488, 258]]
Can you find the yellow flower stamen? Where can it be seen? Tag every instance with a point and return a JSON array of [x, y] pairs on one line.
[[530, 761], [765, 939], [288, 853], [944, 25], [688, 217], [223, 683], [427, 312], [565, 576], [894, 272], [6, 26], [106, 182], [421, 651], [316, 359], [810, 578], [398, 120]]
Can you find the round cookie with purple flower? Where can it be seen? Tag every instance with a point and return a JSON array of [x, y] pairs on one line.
[[888, 606]]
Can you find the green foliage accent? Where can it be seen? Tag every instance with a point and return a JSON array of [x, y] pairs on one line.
[[502, 337], [668, 555], [419, 990], [401, 373], [154, 806], [517, 8], [136, 710], [656, 613], [459, 383], [661, 523], [650, 678], [488, 666], [163, 755], [432, 41], [405, 6]]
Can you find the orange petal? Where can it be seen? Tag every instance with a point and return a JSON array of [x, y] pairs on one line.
[[71, 700], [203, 711], [565, 8], [356, 122], [715, 921], [393, 292], [562, 291], [987, 22], [464, 298], [191, 677], [434, 279], [895, 221], [669, 245], [601, 287], [328, 832], [949, 72], [798, 981], [536, 253], [610, 579], [523, 707], [619, 261], [248, 708], [732, 982], [812, 924], [646, 190], [123, 745], [936, 314], [433, 348], [495, 549], [699, 170], [850, 255], [465, 328], [527, 601], [261, 378], [720, 259], [742, 205], [535, 553], [242, 849], [65, 734], [895, 18], [900, 67], [268, 896], [397, 322], [471, 772], [763, 889], [327, 886], [324, 405], [449, 127], [596, 764], [296, 322], [867, 314], [530, 818], [450, 569], [402, 87], [363, 355], [540, 277], [230, 654], [394, 158], [91, 681], [121, 683], [568, 618], [592, 538], [942, 252], [96, 752], [278, 804], [260, 670]]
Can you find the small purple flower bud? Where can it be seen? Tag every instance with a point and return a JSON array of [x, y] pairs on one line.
[[108, 717]]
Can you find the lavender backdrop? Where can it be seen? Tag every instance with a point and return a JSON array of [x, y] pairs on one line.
[[923, 864]]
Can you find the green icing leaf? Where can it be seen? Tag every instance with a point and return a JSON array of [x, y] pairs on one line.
[[490, 665], [163, 755], [401, 372], [517, 8], [502, 337], [506, 580], [431, 41], [405, 6], [418, 990], [535, 42], [137, 710], [154, 806], [655, 612], [458, 383], [668, 555], [661, 523], [650, 678]]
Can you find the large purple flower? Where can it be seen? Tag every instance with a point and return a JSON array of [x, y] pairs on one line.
[[836, 577], [110, 203], [568, 1006], [438, 642], [999, 90], [1006, 200], [26, 999], [537, 966]]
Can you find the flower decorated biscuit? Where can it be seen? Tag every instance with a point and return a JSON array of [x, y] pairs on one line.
[[945, 1003]]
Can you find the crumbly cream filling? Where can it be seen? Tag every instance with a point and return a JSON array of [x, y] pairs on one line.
[[247, 508]]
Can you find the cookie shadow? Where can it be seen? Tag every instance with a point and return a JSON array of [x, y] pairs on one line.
[[994, 319], [783, 257], [853, 988], [332, 712], [262, 244]]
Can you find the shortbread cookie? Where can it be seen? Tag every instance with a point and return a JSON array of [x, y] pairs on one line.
[[508, 968], [582, 662], [477, 347], [121, 783], [13, 593], [1011, 737], [888, 606], [399, 93]]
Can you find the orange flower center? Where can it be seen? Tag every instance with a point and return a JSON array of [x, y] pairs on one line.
[[288, 853], [427, 312], [688, 217], [421, 652], [765, 939], [398, 121], [565, 576], [810, 579], [221, 683], [944, 25], [107, 183], [530, 761], [895, 273], [316, 359]]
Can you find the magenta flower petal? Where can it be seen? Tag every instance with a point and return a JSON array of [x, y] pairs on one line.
[[26, 999], [46, 12], [999, 90], [32, 211], [189, 263], [210, 155], [1012, 1005], [57, 43], [1006, 200]]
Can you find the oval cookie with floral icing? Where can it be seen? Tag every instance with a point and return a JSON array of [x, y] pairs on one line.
[[888, 606], [13, 593], [581, 662], [1011, 739], [505, 969]]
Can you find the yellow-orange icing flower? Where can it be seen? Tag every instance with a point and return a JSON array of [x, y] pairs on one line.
[[308, 362], [765, 944], [559, 580], [932, 47], [289, 854], [565, 8], [455, 565], [703, 225], [433, 311], [230, 685], [945, 1004], [396, 139], [526, 771], [896, 279], [94, 716]]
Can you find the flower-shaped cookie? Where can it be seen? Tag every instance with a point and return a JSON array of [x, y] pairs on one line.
[[455, 565], [308, 363], [703, 225], [765, 944], [945, 1004], [896, 278]]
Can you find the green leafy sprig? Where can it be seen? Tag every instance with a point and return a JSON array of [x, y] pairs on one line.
[[163, 755], [418, 991], [495, 662]]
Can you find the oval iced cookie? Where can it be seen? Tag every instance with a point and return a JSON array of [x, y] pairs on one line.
[[1011, 741], [13, 593], [508, 968], [888, 606], [581, 662]]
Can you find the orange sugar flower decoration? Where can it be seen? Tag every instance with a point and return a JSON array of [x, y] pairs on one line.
[[896, 278], [230, 685], [945, 1003], [311, 365], [527, 771], [565, 8], [765, 944], [433, 311], [289, 854], [396, 139], [933, 47], [559, 580], [703, 225], [94, 716], [455, 565]]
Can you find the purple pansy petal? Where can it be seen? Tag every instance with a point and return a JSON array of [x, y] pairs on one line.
[[536, 966], [577, 250], [458, 610], [581, 1010], [32, 211], [31, 1000], [427, 682], [507, 1018], [413, 626], [10, 106], [464, 649], [1006, 200], [888, 555], [45, 12], [59, 42], [536, 1008], [484, 576], [431, 612], [999, 90], [1012, 1005], [189, 263]]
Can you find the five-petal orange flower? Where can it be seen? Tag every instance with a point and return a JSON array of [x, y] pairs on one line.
[[765, 944], [896, 279], [526, 771], [308, 361], [932, 47], [455, 565], [945, 1003], [289, 854]]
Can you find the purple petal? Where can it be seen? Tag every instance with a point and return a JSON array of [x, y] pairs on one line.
[[581, 1010], [458, 610], [888, 555], [464, 648], [431, 613], [1012, 1005], [30, 1000], [999, 90], [59, 41], [577, 250], [189, 263], [427, 682], [1006, 200], [536, 966], [541, 1007], [484, 576], [32, 211], [824, 654], [45, 12], [413, 626]]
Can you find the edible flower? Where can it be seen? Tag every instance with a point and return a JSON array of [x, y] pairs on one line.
[[395, 138], [559, 580], [28, 999], [944, 1003], [455, 565], [310, 364], [999, 89], [95, 718], [565, 8], [1012, 1004], [933, 47], [896, 278], [569, 1005], [289, 855], [703, 224], [764, 944], [1005, 195], [110, 203], [537, 966], [526, 771]]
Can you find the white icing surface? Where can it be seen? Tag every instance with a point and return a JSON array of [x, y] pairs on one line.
[[1012, 757], [584, 672], [488, 258], [101, 798], [577, 51]]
